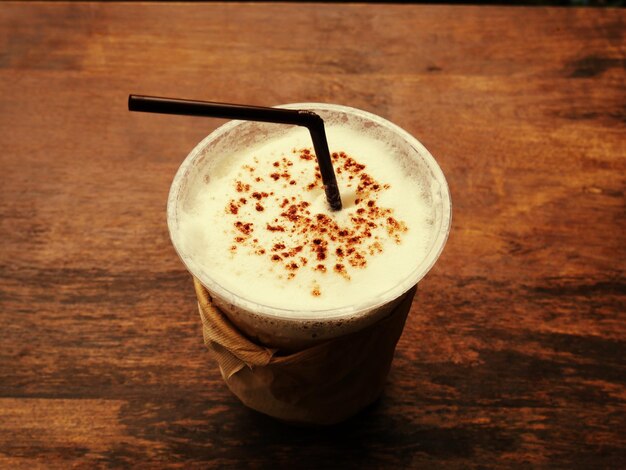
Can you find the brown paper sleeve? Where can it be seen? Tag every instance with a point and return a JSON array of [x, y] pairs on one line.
[[322, 384]]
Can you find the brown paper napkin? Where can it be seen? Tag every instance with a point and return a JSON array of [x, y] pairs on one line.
[[323, 384]]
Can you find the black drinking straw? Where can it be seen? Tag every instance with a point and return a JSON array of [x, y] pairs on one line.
[[308, 119]]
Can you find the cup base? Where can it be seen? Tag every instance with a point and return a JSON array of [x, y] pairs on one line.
[[320, 385]]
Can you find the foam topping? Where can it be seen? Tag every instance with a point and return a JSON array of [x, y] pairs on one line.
[[263, 229]]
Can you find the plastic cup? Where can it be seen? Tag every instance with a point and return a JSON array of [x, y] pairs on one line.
[[290, 330]]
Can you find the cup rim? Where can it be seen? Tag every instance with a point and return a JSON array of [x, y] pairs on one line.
[[321, 315]]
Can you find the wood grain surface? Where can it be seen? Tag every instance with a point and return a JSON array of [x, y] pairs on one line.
[[513, 354]]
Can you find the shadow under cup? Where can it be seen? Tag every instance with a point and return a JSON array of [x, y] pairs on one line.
[[290, 331]]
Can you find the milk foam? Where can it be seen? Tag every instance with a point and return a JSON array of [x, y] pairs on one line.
[[259, 225]]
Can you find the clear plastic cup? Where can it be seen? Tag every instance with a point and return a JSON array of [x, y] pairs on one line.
[[283, 328]]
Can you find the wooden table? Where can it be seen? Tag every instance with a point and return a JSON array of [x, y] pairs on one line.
[[513, 354]]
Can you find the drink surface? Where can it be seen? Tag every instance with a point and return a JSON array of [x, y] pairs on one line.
[[258, 223]]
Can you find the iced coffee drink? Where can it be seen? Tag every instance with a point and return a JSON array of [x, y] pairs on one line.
[[249, 218]]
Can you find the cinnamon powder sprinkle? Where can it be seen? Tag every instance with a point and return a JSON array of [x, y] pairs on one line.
[[313, 238], [275, 228], [306, 155], [341, 269], [242, 187], [232, 208], [246, 229]]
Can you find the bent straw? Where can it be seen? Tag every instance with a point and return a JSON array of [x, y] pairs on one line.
[[308, 119]]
